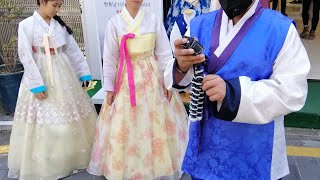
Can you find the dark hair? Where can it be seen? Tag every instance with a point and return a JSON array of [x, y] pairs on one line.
[[57, 18]]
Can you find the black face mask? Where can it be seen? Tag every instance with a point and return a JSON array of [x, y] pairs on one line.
[[235, 8]]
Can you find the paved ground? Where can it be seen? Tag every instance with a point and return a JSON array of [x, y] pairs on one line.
[[303, 150]]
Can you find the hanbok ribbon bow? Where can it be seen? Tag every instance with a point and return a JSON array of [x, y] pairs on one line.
[[125, 56]]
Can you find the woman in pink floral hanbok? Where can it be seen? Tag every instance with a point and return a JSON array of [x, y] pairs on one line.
[[141, 132]]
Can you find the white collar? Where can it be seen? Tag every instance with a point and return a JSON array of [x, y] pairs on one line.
[[227, 24], [187, 17], [248, 14], [43, 24], [228, 31], [129, 17], [40, 19]]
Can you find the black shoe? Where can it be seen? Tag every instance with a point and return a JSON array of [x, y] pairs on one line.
[[312, 35], [305, 33], [284, 14]]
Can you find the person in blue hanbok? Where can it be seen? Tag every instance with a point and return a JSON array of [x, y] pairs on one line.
[[257, 73]]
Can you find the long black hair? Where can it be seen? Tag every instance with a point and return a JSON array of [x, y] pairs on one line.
[[58, 18]]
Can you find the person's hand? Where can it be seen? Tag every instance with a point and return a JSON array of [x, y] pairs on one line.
[[40, 95], [186, 57], [167, 93], [110, 97], [215, 87]]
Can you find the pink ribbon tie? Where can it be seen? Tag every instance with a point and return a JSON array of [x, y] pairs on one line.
[[125, 56]]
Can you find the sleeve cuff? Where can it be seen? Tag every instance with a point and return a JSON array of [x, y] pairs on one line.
[[108, 83], [185, 82], [107, 89], [230, 105], [86, 78], [38, 89]]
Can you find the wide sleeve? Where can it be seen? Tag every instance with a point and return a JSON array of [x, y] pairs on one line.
[[77, 59], [169, 76], [32, 74], [262, 101], [110, 56], [175, 34], [163, 51]]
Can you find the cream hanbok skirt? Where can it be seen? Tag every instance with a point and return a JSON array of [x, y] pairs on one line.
[[52, 138]]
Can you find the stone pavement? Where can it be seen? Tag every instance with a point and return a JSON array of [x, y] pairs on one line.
[[303, 150]]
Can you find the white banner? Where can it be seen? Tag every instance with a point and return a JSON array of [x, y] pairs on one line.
[[95, 15], [107, 8]]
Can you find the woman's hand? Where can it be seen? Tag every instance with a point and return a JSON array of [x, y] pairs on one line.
[[40, 96], [110, 97], [167, 93]]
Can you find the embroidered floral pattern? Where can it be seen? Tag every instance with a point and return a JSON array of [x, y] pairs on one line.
[[149, 140]]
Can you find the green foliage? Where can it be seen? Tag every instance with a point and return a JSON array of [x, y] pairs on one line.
[[10, 12]]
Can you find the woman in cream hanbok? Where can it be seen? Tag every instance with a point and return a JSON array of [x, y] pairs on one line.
[[142, 135], [54, 121]]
